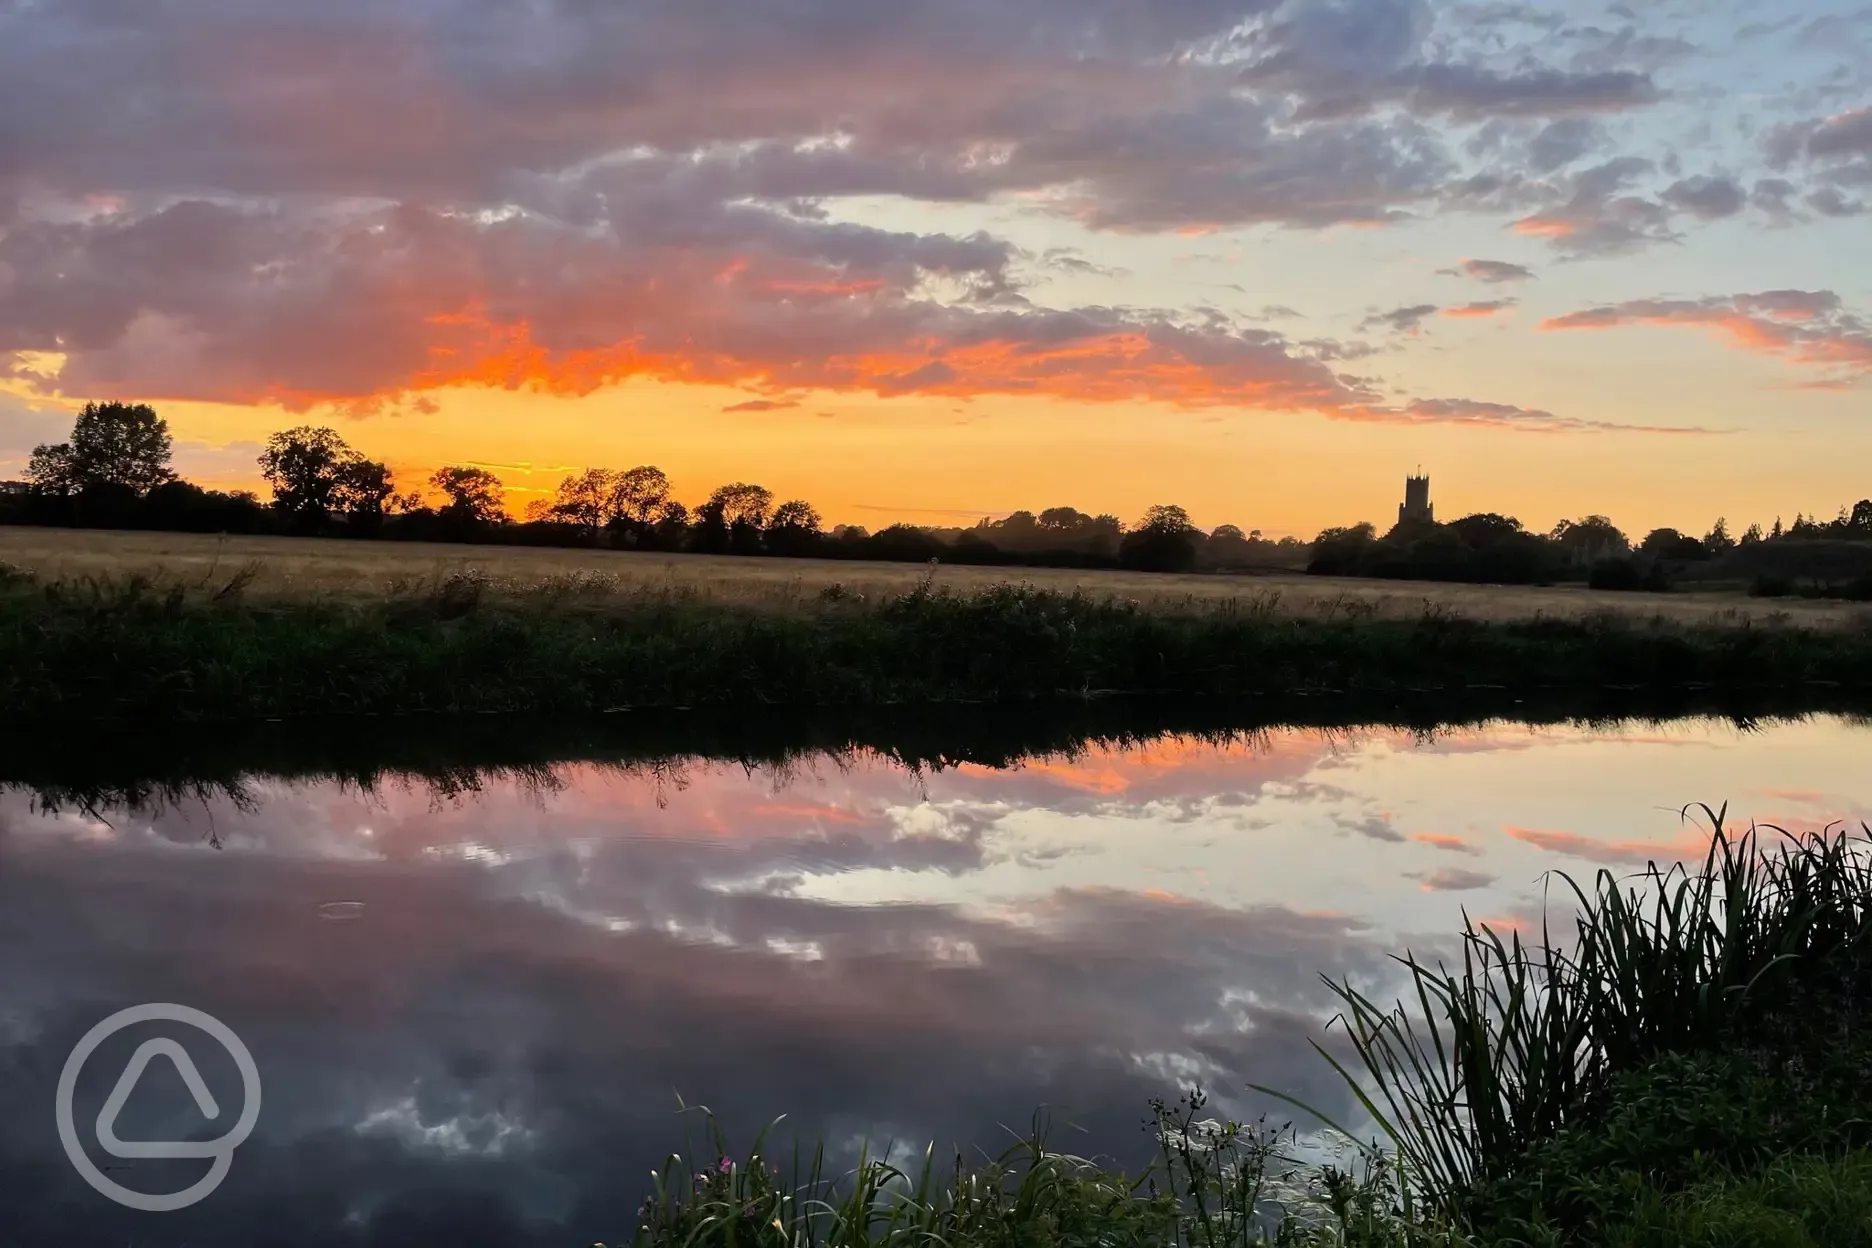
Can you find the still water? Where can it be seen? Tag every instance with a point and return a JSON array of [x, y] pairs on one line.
[[474, 1007]]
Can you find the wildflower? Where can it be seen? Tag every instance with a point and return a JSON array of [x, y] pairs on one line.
[[727, 1166]]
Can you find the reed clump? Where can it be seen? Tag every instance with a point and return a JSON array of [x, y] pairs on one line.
[[97, 649], [1686, 1068], [1696, 1033]]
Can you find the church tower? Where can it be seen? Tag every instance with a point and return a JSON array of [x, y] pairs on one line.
[[1416, 506]]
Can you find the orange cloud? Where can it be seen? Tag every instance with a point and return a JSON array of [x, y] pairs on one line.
[[1449, 844], [1637, 853], [1809, 328], [1482, 308]]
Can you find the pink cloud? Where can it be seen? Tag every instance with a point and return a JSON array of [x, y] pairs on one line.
[[1808, 328]]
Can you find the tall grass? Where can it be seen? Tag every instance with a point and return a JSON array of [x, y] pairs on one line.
[[1212, 1185], [100, 650], [1764, 949]]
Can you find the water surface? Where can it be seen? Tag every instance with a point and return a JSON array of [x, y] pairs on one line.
[[475, 1006]]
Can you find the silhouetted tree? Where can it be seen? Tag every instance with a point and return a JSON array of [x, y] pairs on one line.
[[1670, 544], [476, 497], [1590, 539], [316, 475], [636, 497], [740, 509], [123, 445], [794, 529], [582, 499], [1717, 541], [672, 526], [1341, 551], [1163, 541]]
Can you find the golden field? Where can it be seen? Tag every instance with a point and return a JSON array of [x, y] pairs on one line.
[[287, 566]]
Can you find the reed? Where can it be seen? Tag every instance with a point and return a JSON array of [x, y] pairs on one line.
[[1500, 1064]]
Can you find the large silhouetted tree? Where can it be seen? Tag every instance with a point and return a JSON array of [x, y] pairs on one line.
[[584, 499], [636, 497], [126, 445], [316, 475]]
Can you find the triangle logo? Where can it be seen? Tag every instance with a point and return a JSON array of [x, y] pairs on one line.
[[126, 1084]]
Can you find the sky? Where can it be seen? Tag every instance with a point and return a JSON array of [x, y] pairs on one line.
[[935, 260]]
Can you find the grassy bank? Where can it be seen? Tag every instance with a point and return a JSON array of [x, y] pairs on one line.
[[1689, 1068], [100, 650], [303, 567]]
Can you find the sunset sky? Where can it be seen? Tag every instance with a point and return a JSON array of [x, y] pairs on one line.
[[940, 259]]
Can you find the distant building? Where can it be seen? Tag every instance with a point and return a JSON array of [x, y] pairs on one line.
[[1416, 506], [15, 487]]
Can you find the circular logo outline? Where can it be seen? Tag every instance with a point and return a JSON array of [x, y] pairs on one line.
[[221, 1150]]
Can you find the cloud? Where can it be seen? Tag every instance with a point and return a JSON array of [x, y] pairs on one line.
[[762, 405], [1401, 320], [1596, 218], [1372, 827], [1636, 853], [1808, 328], [1842, 135], [1707, 197], [210, 302], [1481, 308], [1348, 57], [203, 301], [1494, 272], [1452, 880], [1446, 843], [1478, 414], [1828, 202], [1562, 142]]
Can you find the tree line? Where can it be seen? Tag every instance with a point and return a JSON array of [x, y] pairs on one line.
[[1498, 549], [115, 472]]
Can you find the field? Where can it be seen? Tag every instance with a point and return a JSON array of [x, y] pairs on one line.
[[314, 567]]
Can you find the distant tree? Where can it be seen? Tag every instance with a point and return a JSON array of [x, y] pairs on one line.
[[583, 499], [316, 475], [112, 444], [1229, 533], [475, 495], [1777, 531], [366, 491], [1717, 541], [742, 503], [794, 529], [1752, 535], [1485, 529], [1590, 539], [1063, 520], [1163, 541], [1670, 544], [637, 496], [1342, 551], [1860, 520], [1166, 518], [672, 526]]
